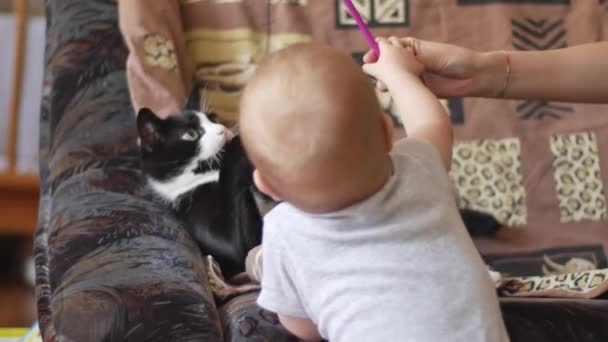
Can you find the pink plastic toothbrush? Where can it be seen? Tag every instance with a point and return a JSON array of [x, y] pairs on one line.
[[368, 36]]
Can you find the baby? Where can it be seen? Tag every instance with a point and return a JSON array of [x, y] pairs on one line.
[[367, 244]]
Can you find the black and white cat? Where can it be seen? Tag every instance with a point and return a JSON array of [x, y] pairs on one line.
[[181, 152], [200, 169]]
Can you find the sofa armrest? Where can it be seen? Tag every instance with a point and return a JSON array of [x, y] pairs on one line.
[[111, 264]]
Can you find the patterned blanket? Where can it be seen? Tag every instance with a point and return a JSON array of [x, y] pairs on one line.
[[586, 285]]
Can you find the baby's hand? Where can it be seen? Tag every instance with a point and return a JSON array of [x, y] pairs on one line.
[[395, 59]]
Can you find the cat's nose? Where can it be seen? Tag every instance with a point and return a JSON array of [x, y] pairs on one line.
[[225, 134]]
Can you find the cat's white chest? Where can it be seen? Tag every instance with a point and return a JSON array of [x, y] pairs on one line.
[[171, 189]]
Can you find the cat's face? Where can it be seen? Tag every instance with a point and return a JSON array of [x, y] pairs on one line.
[[182, 151]]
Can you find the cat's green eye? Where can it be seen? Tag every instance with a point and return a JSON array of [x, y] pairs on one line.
[[190, 135]]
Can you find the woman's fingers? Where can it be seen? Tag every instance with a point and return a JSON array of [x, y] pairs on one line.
[[411, 43], [395, 41]]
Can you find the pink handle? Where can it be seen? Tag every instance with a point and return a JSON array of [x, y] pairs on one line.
[[368, 36]]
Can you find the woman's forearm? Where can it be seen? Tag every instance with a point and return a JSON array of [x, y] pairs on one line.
[[576, 74]]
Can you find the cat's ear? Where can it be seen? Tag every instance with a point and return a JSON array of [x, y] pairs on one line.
[[194, 100], [148, 126]]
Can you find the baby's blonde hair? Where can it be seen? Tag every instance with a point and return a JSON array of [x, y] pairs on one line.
[[311, 124]]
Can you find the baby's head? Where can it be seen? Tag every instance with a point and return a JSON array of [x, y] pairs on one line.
[[312, 126]]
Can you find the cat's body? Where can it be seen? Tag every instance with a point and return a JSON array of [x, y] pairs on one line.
[[222, 216], [202, 173]]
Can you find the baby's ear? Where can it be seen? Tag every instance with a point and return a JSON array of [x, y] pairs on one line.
[[262, 184], [148, 127]]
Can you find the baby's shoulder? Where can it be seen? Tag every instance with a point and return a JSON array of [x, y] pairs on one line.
[[282, 217], [417, 149], [280, 213], [419, 160]]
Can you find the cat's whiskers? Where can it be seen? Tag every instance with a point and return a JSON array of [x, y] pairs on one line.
[[217, 158], [205, 105], [215, 161]]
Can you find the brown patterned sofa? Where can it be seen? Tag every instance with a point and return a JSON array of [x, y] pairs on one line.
[[112, 265]]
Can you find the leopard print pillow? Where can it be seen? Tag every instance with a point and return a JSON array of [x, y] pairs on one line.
[[487, 176], [578, 182]]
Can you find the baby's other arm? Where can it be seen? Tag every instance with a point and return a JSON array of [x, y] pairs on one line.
[[423, 116]]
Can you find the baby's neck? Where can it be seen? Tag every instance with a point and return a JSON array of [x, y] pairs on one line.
[[360, 191], [374, 184]]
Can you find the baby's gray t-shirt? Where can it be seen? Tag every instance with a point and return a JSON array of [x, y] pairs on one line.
[[399, 266]]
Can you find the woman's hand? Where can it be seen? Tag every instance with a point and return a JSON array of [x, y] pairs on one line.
[[395, 60], [574, 74], [423, 116], [456, 71]]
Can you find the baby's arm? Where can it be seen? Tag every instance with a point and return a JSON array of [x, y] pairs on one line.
[[423, 116], [279, 293], [303, 328]]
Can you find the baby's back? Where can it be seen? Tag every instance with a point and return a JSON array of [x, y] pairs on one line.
[[399, 266]]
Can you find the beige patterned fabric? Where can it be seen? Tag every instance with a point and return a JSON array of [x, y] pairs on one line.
[[160, 51], [488, 178], [579, 185], [224, 289], [226, 71], [588, 284], [158, 70]]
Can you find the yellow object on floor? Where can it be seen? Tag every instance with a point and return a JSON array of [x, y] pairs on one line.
[[20, 334], [13, 332]]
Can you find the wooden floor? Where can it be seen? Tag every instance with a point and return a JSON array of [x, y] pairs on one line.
[[17, 299], [17, 305]]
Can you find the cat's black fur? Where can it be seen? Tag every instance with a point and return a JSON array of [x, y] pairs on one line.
[[223, 217], [164, 154], [220, 214], [480, 224]]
